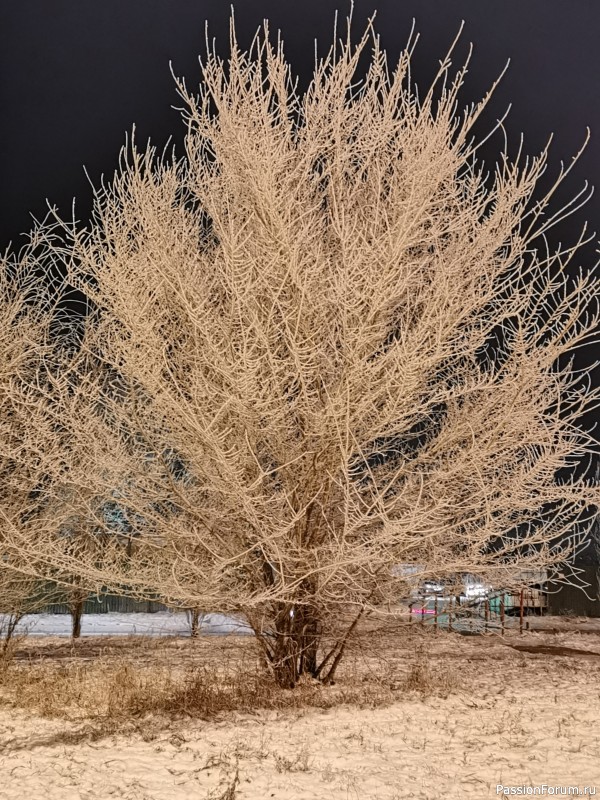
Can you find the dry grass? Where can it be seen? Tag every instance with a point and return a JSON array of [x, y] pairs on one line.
[[442, 707], [108, 690], [115, 681], [428, 679]]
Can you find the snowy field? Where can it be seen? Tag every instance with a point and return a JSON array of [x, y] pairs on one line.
[[523, 712], [161, 623]]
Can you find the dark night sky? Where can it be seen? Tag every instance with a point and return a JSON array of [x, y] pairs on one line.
[[76, 74]]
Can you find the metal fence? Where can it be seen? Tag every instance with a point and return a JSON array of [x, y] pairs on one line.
[[108, 603], [103, 603], [495, 612]]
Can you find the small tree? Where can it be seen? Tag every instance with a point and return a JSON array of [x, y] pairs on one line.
[[17, 598], [353, 339], [64, 520], [21, 594], [29, 299]]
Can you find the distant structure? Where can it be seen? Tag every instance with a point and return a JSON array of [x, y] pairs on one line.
[[565, 599], [568, 599]]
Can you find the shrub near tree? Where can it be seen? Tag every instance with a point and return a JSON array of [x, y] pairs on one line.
[[352, 339]]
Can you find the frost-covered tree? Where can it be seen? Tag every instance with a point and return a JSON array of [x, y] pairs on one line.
[[353, 338]]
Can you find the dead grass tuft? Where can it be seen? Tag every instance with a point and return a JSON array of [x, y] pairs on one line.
[[429, 680], [301, 762], [123, 682], [229, 792], [105, 690]]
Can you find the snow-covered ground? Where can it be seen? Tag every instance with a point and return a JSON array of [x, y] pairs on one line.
[[513, 719], [161, 623]]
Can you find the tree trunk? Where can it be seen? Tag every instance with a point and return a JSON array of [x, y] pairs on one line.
[[296, 646], [285, 672], [292, 645], [11, 624], [195, 622], [308, 622], [76, 614]]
